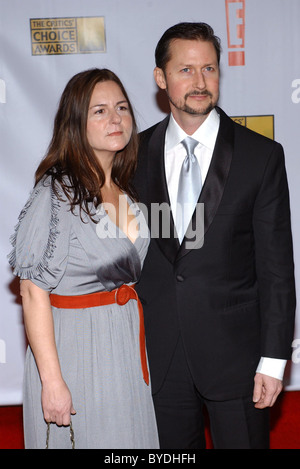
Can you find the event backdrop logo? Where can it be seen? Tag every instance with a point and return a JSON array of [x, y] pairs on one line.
[[56, 36], [235, 17], [263, 125]]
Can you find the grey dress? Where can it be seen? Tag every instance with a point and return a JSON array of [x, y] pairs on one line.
[[98, 347]]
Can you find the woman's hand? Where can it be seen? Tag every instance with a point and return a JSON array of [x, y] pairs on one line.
[[57, 403]]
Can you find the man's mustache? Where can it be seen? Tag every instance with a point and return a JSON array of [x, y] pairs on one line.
[[198, 93]]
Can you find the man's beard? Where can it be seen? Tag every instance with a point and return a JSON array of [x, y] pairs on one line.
[[189, 110]]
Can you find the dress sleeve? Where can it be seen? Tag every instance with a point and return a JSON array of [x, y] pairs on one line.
[[41, 238]]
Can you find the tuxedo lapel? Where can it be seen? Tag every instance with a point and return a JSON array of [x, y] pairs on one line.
[[162, 227], [210, 196], [214, 185]]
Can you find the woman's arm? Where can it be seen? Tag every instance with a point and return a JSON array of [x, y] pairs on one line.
[[56, 397]]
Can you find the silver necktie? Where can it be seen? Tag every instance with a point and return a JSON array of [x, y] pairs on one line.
[[189, 187]]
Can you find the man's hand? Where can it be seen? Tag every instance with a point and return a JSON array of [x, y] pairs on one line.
[[266, 390]]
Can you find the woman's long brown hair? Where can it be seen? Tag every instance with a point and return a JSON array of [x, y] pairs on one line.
[[70, 160]]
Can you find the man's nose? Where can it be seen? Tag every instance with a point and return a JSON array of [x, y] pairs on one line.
[[199, 80]]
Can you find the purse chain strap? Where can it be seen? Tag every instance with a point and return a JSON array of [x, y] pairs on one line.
[[72, 437]]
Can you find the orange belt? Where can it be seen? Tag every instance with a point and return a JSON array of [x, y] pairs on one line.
[[120, 296]]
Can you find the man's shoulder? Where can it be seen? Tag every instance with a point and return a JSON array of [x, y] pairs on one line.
[[147, 133], [243, 133]]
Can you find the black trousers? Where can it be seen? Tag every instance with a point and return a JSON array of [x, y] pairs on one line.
[[234, 424]]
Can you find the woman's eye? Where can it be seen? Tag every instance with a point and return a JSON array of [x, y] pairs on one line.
[[123, 107]]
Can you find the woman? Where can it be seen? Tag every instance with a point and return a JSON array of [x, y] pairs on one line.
[[80, 234]]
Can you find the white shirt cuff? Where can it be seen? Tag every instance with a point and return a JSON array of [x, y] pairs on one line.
[[272, 367]]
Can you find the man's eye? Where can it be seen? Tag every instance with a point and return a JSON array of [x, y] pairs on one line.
[[209, 69]]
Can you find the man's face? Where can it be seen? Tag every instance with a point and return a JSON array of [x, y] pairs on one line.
[[191, 78]]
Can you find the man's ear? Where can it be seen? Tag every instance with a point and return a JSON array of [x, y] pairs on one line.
[[159, 77]]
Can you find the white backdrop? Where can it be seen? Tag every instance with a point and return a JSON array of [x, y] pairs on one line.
[[265, 82]]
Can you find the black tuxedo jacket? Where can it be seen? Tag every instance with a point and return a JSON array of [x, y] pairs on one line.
[[233, 299]]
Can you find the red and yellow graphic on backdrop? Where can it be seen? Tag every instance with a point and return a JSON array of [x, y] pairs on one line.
[[235, 17], [263, 125], [56, 36]]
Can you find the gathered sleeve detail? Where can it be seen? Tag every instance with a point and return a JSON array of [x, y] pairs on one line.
[[41, 238]]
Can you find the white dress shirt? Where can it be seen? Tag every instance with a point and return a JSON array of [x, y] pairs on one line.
[[175, 153]]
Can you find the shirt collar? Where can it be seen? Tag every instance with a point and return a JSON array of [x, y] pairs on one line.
[[206, 134]]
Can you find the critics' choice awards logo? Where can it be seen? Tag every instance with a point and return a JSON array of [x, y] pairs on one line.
[[56, 36], [263, 125]]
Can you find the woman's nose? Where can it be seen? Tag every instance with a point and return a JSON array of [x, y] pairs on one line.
[[115, 117]]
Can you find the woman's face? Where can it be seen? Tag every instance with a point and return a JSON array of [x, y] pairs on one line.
[[109, 121]]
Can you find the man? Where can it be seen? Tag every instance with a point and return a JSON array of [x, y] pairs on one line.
[[219, 317]]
